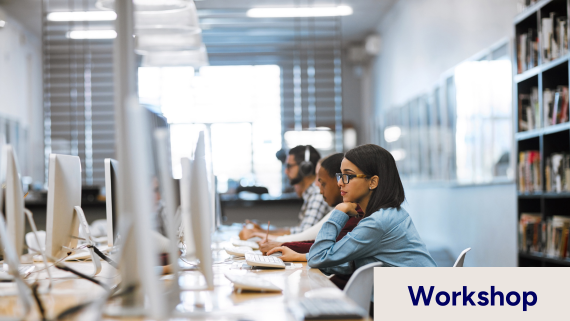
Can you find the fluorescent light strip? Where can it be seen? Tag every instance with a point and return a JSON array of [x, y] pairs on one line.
[[92, 34], [82, 16], [299, 12]]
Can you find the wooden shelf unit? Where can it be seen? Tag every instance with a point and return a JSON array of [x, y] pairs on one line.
[[546, 140]]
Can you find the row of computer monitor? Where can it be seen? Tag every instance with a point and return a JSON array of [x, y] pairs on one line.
[[64, 194], [200, 215]]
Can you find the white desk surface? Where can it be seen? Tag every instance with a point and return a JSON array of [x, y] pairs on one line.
[[223, 303]]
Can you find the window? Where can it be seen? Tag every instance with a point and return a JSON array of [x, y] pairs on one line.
[[238, 106], [483, 131], [459, 131]]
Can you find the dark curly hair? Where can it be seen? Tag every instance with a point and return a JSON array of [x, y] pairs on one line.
[[374, 160]]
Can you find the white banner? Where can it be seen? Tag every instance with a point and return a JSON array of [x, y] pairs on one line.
[[471, 293]]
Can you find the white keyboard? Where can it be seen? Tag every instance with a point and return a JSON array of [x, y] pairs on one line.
[[238, 251], [264, 261], [240, 243], [326, 309], [24, 270], [252, 283]]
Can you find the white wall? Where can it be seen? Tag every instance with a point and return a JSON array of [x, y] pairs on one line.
[[421, 39], [21, 90], [351, 99]]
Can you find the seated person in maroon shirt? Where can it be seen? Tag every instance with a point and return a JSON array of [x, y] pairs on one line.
[[295, 251]]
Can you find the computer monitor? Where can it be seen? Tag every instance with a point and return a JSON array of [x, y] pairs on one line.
[[14, 201], [111, 195], [218, 208], [139, 257], [211, 178], [64, 193], [196, 204], [11, 257]]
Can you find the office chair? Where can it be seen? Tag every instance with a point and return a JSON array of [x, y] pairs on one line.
[[461, 258], [359, 287]]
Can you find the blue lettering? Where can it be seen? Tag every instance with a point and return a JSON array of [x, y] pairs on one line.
[[525, 299], [483, 301], [416, 299], [493, 294], [444, 298], [516, 295], [454, 297], [439, 302], [467, 297]]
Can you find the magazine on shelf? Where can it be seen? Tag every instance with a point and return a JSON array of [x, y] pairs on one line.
[[555, 103]]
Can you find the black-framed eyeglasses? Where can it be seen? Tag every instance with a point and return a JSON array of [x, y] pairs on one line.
[[347, 177], [289, 166]]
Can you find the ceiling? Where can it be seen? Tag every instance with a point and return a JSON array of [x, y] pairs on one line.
[[225, 21]]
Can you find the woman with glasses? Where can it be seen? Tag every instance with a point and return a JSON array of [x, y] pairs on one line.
[[369, 179]]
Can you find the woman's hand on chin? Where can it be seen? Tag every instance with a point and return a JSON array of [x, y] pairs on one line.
[[348, 208]]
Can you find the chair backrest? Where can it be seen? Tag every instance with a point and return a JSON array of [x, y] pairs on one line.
[[461, 258], [359, 287]]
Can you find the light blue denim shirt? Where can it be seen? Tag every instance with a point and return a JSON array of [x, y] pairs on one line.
[[387, 236]]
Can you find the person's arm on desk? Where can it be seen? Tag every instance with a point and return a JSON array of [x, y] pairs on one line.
[[246, 233], [265, 246], [288, 255], [328, 252]]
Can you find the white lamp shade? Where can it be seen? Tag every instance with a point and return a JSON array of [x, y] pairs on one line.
[[167, 39], [186, 17], [192, 58], [148, 5]]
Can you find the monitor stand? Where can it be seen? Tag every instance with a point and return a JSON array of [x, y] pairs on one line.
[[30, 217], [11, 257], [132, 302], [87, 235]]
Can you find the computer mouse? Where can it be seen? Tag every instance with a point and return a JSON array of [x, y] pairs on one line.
[[276, 254]]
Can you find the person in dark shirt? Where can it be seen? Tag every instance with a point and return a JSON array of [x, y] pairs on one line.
[[294, 251], [330, 192]]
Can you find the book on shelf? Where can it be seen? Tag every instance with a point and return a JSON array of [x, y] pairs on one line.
[[557, 173], [529, 111], [548, 237], [522, 5], [529, 232], [527, 51], [554, 35], [555, 103], [529, 172]]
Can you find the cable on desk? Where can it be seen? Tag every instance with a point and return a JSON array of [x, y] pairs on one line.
[[73, 310], [104, 257], [45, 267], [34, 288], [128, 290], [81, 275]]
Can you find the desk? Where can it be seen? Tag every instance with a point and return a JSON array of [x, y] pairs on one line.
[[221, 304]]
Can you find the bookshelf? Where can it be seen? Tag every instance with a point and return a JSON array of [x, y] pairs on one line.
[[542, 133]]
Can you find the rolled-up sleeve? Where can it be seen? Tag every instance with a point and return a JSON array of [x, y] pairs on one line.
[[326, 252]]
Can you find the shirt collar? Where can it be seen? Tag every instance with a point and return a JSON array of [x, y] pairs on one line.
[[309, 191]]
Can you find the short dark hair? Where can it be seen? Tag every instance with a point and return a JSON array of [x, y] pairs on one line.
[[331, 164], [299, 153], [374, 160]]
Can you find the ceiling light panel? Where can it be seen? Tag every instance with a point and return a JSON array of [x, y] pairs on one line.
[[82, 16], [299, 12]]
